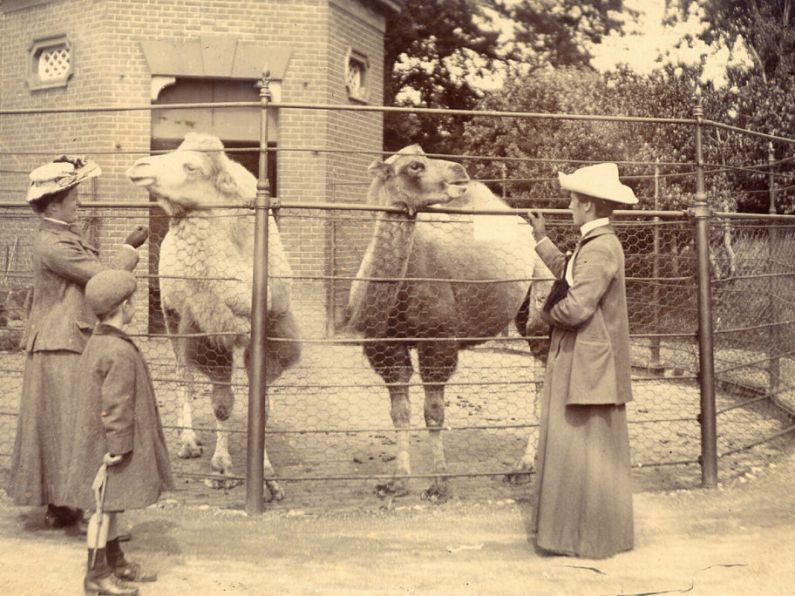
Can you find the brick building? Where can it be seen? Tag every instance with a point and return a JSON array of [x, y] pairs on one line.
[[122, 53]]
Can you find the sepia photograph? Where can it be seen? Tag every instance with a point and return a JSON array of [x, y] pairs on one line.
[[397, 297]]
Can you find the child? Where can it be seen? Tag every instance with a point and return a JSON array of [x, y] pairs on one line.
[[118, 424]]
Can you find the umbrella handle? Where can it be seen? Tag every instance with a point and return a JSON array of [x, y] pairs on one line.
[[100, 487]]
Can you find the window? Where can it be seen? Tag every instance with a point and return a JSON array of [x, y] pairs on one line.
[[51, 63], [356, 66]]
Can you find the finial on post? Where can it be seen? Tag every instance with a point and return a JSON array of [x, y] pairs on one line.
[[698, 104], [264, 83]]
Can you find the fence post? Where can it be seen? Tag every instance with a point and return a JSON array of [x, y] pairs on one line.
[[655, 341], [774, 371], [258, 388], [703, 214]]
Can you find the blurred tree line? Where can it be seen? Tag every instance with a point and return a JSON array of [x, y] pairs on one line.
[[437, 50]]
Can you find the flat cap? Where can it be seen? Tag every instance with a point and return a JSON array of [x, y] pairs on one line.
[[108, 289]]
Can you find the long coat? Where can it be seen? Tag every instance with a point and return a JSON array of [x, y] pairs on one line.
[[583, 486], [58, 327], [116, 413]]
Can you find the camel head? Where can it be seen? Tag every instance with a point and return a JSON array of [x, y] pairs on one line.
[[198, 173], [411, 180]]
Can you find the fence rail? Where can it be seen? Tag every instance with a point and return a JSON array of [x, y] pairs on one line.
[[711, 326]]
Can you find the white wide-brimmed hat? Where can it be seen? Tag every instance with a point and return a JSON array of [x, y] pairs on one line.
[[61, 174], [599, 181]]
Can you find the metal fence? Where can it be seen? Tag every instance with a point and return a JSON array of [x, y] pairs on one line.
[[711, 322]]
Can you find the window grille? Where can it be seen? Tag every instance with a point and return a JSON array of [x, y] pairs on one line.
[[51, 63], [356, 66], [55, 63]]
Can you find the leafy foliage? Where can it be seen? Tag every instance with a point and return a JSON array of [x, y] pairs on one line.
[[759, 98], [435, 49]]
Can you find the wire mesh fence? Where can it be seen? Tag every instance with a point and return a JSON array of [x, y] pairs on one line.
[[403, 344], [331, 422]]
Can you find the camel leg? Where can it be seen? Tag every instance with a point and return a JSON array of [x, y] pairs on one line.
[[274, 365], [392, 362], [526, 464], [189, 444], [223, 402], [438, 360], [215, 361]]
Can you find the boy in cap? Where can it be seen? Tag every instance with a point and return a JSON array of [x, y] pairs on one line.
[[583, 487], [119, 426]]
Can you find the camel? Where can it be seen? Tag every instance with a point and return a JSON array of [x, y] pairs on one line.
[[206, 279], [421, 305]]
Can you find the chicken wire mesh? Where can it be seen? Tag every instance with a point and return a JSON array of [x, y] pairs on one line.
[[753, 279], [331, 418]]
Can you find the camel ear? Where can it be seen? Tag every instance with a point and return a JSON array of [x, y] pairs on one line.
[[381, 169], [226, 183]]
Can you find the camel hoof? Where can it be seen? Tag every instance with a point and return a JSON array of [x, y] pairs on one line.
[[438, 492], [397, 487], [187, 451], [275, 490], [221, 464], [222, 484], [520, 476]]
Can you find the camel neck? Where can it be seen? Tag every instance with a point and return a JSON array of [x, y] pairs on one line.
[[387, 257]]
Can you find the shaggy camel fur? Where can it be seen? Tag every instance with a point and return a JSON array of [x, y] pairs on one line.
[[422, 305], [206, 278]]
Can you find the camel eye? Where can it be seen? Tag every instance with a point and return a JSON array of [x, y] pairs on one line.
[[416, 167], [190, 168]]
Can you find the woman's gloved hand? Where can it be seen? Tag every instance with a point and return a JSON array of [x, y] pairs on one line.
[[137, 237]]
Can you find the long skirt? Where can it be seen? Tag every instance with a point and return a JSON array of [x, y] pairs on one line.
[[583, 487], [44, 429]]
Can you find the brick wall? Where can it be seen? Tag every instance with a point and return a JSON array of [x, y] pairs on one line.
[[110, 69]]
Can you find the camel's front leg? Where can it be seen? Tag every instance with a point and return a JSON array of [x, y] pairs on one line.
[[401, 419], [434, 421], [438, 361], [223, 400], [189, 444], [526, 465], [277, 493], [392, 362]]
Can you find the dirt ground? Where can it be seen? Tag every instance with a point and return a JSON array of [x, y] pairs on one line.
[[736, 539]]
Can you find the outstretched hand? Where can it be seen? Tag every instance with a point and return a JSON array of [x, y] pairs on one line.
[[536, 221], [137, 237]]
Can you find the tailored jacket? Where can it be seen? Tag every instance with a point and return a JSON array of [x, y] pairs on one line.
[[63, 262], [589, 345], [117, 413]]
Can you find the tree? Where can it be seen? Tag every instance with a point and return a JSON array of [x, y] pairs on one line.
[[766, 28], [583, 91], [430, 49], [435, 50], [760, 98]]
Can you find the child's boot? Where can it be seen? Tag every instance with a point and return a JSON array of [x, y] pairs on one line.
[[124, 569], [100, 579]]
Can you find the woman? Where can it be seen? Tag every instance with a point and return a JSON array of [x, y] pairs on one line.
[[583, 487], [58, 327]]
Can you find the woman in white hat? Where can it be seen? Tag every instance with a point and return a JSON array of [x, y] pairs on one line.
[[583, 487], [58, 327]]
